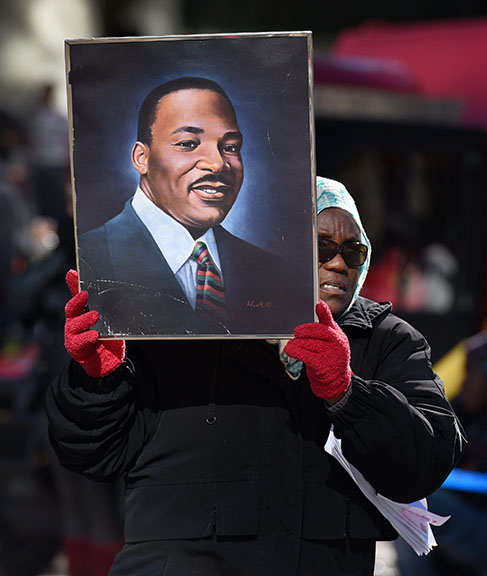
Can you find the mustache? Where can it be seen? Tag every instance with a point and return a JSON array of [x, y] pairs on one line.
[[220, 178]]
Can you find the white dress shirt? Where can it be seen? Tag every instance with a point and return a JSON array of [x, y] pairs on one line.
[[175, 243]]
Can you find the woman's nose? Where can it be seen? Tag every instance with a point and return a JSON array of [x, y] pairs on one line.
[[337, 263]]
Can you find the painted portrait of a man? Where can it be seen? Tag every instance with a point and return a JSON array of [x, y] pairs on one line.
[[164, 265]]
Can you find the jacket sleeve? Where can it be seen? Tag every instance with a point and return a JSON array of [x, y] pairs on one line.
[[96, 425], [397, 426]]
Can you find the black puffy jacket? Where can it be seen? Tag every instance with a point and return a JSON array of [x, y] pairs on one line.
[[212, 437]]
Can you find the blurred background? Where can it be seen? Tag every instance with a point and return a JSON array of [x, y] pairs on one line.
[[400, 117]]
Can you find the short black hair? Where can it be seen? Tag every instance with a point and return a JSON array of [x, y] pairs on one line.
[[148, 110]]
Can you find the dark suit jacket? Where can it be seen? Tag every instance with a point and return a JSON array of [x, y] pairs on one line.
[[131, 285]]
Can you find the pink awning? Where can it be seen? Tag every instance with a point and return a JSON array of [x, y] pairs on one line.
[[443, 59]]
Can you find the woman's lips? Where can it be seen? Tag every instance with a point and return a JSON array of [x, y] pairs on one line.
[[333, 288]]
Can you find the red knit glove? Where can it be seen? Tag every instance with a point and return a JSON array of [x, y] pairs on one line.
[[98, 358], [325, 351]]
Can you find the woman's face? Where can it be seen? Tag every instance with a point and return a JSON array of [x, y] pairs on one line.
[[337, 280]]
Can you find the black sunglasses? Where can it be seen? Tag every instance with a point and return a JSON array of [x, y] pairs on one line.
[[353, 253]]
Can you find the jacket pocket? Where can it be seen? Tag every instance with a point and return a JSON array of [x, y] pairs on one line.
[[181, 511]]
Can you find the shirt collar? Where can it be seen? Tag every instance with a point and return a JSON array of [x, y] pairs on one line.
[[172, 238]]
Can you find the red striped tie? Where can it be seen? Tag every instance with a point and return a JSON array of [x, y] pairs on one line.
[[210, 293]]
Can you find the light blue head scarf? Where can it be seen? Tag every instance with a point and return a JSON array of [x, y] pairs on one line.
[[333, 194]]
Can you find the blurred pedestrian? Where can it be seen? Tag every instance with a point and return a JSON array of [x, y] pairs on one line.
[[48, 138]]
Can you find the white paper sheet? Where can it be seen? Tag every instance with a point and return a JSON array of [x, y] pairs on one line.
[[412, 521]]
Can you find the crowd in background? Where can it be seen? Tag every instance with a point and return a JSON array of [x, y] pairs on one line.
[[44, 510]]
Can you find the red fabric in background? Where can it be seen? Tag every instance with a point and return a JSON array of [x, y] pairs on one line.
[[444, 59]]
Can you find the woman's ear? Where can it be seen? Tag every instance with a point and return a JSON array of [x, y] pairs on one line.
[[140, 157]]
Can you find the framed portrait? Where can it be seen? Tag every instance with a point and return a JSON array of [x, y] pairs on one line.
[[194, 183]]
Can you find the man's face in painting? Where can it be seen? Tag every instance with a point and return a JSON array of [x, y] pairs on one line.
[[192, 169]]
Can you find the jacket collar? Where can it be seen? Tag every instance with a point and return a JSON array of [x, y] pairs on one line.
[[363, 313]]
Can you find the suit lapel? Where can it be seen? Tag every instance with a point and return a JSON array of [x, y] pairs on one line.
[[136, 257], [228, 259]]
